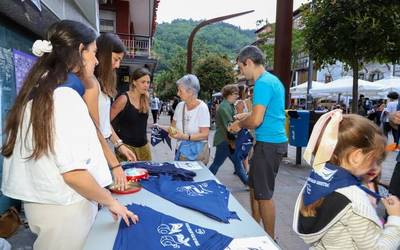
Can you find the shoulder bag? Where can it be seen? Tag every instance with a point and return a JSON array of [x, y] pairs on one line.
[[192, 150]]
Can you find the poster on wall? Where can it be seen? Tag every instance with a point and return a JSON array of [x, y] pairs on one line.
[[7, 98], [23, 63]]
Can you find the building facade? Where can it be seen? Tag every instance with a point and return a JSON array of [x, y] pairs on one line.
[[134, 21]]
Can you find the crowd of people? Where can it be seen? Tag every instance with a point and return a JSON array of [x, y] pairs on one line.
[[69, 130], [379, 111]]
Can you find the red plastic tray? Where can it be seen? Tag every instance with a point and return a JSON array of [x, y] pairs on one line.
[[133, 187]]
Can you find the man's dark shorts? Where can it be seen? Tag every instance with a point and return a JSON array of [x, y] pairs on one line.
[[264, 167]]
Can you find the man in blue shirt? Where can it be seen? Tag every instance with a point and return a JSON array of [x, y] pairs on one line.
[[268, 120]]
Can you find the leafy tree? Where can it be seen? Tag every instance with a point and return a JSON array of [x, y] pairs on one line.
[[165, 84], [221, 38], [352, 31], [165, 80], [268, 45], [392, 49], [213, 48], [297, 44], [214, 71]]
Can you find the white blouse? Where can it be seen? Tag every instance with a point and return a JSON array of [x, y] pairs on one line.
[[104, 114], [194, 119], [76, 146]]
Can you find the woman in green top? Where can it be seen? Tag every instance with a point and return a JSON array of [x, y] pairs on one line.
[[225, 113]]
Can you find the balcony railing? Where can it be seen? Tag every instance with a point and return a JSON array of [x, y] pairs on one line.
[[137, 45]]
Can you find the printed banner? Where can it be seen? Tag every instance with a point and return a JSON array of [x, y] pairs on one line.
[[23, 63]]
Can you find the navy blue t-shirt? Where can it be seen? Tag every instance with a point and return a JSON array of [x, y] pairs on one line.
[[243, 143], [207, 197], [156, 230], [162, 168], [160, 135]]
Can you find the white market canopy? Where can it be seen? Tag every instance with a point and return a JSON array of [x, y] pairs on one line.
[[300, 91], [344, 87], [389, 84]]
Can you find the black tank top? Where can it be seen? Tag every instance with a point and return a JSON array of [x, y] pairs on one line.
[[131, 125]]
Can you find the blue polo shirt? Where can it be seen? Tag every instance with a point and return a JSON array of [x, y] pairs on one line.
[[270, 93]]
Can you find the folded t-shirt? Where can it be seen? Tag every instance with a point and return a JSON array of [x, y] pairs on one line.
[[207, 197], [156, 230]]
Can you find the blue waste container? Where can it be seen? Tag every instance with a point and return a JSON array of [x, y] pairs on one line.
[[299, 126]]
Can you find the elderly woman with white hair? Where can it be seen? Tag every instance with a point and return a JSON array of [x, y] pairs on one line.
[[191, 122]]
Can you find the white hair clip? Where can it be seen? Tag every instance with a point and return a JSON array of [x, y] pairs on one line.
[[40, 47]]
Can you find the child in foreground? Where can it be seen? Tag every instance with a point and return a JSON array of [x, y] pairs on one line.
[[333, 209]]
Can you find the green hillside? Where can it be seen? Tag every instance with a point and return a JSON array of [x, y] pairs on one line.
[[222, 38]]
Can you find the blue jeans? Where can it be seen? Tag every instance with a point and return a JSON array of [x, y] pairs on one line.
[[221, 153]]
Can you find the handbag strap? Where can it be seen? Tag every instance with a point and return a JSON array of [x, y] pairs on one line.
[[183, 117]]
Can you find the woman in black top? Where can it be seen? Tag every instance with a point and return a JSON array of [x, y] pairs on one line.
[[129, 114]]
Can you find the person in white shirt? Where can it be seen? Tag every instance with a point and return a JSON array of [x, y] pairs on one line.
[[191, 117], [53, 160], [155, 107], [100, 88]]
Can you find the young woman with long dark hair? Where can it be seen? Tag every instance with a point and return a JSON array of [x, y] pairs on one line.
[[53, 160], [100, 89]]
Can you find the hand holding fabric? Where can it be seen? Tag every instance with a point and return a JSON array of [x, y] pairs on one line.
[[234, 127]]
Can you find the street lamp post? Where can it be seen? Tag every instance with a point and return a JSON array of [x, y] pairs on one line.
[[283, 49], [309, 83], [199, 26], [283, 43]]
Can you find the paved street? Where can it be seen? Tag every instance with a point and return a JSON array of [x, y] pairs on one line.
[[288, 184]]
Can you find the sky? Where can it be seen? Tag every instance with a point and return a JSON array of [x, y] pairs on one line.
[[169, 10]]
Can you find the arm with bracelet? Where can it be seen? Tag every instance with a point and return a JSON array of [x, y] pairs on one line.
[[121, 147], [90, 97], [202, 133]]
